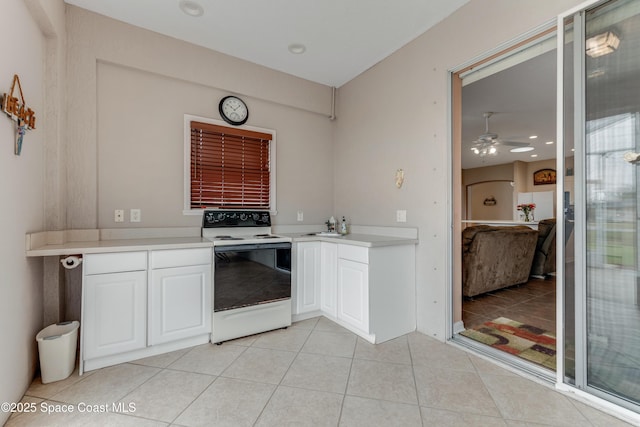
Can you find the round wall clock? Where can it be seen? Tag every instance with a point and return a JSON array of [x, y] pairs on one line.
[[233, 110]]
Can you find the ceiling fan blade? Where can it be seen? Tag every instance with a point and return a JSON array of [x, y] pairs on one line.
[[515, 143]]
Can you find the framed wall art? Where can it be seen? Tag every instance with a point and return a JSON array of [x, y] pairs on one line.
[[544, 177]]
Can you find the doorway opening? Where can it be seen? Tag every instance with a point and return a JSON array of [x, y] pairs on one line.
[[504, 161]]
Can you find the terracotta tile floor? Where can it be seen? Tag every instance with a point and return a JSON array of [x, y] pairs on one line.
[[533, 303]]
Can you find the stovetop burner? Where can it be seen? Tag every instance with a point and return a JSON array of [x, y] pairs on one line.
[[239, 228]]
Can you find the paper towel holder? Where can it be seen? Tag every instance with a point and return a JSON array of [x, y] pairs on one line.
[[72, 261]]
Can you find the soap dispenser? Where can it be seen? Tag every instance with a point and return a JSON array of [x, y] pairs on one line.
[[343, 226]]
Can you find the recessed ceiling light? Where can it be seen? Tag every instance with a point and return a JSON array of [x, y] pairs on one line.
[[573, 149], [533, 136], [297, 48], [549, 142], [534, 155], [191, 8], [521, 149]]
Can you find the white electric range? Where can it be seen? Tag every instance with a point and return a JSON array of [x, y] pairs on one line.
[[252, 274]]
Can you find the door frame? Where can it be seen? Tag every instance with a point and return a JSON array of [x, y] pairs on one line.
[[454, 317], [454, 294]]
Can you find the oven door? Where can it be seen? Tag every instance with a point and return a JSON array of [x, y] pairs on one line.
[[250, 274]]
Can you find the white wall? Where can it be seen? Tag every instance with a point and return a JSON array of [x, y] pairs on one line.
[[395, 116], [128, 91], [499, 191], [21, 192]]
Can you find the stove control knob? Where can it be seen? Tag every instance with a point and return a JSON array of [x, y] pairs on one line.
[[243, 216]]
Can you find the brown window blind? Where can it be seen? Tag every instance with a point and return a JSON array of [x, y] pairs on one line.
[[230, 167]]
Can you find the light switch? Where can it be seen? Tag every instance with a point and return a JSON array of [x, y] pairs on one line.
[[401, 216], [300, 216], [118, 215]]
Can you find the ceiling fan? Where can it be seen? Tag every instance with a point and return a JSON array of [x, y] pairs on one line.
[[486, 144]]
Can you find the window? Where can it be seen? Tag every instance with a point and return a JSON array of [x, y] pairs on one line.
[[227, 167]]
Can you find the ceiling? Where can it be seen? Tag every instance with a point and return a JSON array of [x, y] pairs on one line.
[[342, 38], [523, 100]]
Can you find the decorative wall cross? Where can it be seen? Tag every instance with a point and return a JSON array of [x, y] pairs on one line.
[[18, 111]]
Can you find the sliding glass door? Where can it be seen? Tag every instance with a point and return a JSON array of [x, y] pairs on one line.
[[602, 200]]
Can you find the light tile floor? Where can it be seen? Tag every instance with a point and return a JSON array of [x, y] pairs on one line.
[[315, 373]]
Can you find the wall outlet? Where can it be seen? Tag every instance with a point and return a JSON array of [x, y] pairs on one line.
[[300, 216], [135, 215], [401, 216], [118, 215]]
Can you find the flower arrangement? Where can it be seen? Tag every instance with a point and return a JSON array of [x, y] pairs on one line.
[[527, 210]]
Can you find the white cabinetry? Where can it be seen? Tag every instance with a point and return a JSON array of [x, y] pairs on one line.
[[368, 290], [133, 310], [114, 303], [329, 278], [353, 293], [308, 277], [180, 299]]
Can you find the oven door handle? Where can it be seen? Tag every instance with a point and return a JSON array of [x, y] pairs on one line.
[[251, 247]]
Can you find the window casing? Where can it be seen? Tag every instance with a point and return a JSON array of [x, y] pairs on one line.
[[228, 167]]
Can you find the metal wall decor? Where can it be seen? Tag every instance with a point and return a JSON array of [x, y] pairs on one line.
[[18, 111], [490, 201]]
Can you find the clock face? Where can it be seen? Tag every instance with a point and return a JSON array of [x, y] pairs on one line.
[[233, 110]]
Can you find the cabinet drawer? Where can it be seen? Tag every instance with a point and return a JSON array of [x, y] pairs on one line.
[[114, 262], [180, 257], [354, 253]]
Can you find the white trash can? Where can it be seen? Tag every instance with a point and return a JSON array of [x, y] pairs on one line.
[[57, 347]]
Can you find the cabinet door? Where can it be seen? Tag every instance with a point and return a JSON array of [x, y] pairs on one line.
[[353, 293], [308, 277], [114, 313], [180, 303], [329, 278]]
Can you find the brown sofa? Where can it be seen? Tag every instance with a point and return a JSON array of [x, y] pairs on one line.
[[496, 257], [544, 260]]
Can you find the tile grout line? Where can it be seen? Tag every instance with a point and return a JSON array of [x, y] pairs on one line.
[[415, 382], [215, 378], [284, 375]]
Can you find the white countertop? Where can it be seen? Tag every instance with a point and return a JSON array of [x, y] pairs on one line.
[[366, 240], [77, 242], [119, 245], [497, 222]]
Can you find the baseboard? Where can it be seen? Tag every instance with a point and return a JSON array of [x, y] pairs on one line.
[[305, 316]]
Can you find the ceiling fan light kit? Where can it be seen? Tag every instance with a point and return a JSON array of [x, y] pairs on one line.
[[486, 144]]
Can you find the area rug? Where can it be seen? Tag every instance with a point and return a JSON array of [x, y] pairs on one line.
[[522, 340]]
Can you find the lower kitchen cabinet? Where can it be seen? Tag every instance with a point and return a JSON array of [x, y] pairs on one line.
[[180, 303], [329, 278], [353, 294], [115, 313], [307, 277], [368, 290], [147, 308]]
